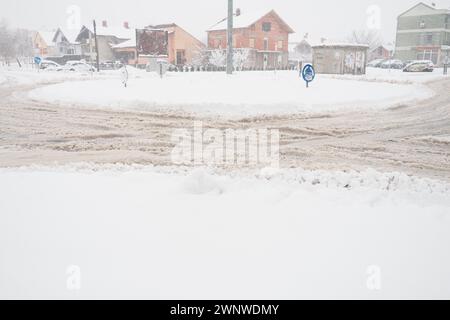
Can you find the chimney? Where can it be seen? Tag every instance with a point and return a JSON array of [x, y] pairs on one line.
[[105, 24], [126, 25]]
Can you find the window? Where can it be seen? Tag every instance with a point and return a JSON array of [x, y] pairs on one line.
[[266, 44], [266, 26], [252, 43], [431, 55], [426, 39], [422, 24], [280, 44]]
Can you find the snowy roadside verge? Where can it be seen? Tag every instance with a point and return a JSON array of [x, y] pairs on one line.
[[144, 232]]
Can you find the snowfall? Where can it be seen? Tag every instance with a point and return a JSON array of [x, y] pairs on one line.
[[179, 233], [244, 94]]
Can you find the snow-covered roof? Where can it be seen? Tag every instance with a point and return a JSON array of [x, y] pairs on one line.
[[332, 44], [244, 20], [47, 36], [71, 35], [118, 32], [126, 44]]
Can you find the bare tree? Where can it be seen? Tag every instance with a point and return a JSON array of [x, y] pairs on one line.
[[14, 43], [6, 42], [369, 37]]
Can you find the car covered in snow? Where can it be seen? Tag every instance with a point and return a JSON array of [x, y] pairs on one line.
[[392, 64], [375, 63], [79, 66], [419, 66], [50, 65]]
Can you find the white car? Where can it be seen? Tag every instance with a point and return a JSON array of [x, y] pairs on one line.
[[49, 65], [419, 66], [79, 66], [392, 64]]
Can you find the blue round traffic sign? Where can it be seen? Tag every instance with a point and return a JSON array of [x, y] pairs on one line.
[[308, 73], [37, 60]]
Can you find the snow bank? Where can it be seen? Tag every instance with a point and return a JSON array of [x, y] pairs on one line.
[[243, 94], [196, 235]]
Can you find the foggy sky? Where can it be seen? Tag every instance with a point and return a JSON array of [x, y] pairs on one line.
[[321, 18]]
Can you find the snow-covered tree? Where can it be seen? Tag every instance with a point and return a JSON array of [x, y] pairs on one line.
[[218, 58], [6, 42], [14, 43], [303, 51], [371, 38], [241, 58]]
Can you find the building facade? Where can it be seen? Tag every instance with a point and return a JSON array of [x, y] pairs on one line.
[[43, 44], [340, 58], [265, 36], [65, 42], [107, 38], [381, 52], [423, 33]]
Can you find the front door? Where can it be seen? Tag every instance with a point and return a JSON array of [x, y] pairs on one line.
[[180, 57]]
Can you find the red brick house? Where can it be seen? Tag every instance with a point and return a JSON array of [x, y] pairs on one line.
[[265, 36]]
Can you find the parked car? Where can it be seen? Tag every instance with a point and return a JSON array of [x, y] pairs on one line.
[[50, 65], [392, 64], [375, 63], [79, 66], [419, 66]]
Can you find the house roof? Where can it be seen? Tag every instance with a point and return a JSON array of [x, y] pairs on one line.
[[329, 44], [118, 32], [246, 20], [126, 44], [47, 36], [70, 35], [432, 9]]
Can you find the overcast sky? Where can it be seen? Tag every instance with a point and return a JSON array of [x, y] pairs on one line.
[[320, 18]]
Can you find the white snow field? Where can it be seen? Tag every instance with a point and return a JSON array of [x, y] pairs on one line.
[[240, 95], [141, 232]]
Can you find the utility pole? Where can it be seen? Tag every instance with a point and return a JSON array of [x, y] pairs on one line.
[[96, 47], [230, 38]]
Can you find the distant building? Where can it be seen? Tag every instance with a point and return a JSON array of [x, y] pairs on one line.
[[43, 43], [382, 52], [423, 33], [107, 38], [300, 52], [340, 58], [266, 36], [65, 42], [183, 47]]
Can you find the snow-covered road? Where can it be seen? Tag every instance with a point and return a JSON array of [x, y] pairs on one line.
[[412, 138]]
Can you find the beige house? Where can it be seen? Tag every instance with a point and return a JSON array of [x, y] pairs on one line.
[[183, 47], [43, 44]]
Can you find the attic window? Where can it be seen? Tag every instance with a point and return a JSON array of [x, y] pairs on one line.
[[266, 26], [422, 24]]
